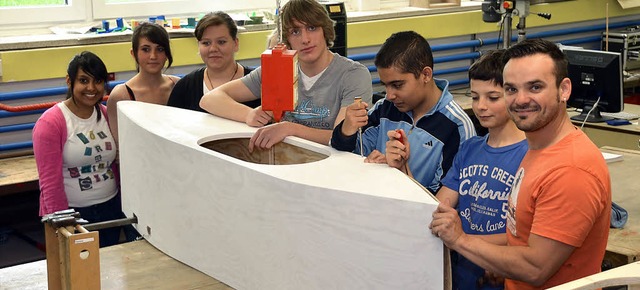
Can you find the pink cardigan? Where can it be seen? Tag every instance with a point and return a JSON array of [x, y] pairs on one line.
[[49, 137]]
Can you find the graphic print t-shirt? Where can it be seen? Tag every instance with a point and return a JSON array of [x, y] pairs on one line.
[[87, 157], [483, 177]]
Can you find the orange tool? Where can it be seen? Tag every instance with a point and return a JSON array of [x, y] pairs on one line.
[[279, 80], [401, 136]]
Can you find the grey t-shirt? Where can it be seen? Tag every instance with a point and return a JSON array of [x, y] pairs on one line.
[[318, 107]]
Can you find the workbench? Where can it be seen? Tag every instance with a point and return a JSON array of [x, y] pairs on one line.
[[602, 134], [18, 174], [623, 246], [134, 265]]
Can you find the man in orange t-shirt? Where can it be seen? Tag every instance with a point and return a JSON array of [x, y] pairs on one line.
[[560, 204]]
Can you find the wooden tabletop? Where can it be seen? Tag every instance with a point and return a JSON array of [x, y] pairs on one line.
[[632, 128], [461, 97], [135, 265], [626, 193], [18, 174]]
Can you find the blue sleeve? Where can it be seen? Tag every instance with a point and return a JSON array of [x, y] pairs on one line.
[[341, 142]]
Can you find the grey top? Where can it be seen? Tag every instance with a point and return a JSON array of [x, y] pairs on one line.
[[318, 107]]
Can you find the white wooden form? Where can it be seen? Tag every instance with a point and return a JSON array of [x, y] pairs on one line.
[[337, 223]]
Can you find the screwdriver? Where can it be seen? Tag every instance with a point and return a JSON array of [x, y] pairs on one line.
[[359, 100]]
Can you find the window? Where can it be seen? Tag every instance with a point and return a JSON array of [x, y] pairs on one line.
[[110, 9], [25, 3], [39, 14], [386, 4], [38, 11], [43, 13]]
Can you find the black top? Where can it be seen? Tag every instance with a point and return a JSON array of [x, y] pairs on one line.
[[132, 96], [188, 91]]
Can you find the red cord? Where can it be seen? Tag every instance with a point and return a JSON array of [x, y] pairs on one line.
[[33, 107], [25, 108]]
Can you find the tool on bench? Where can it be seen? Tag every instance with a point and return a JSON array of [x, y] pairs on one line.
[[111, 223], [359, 100], [73, 257]]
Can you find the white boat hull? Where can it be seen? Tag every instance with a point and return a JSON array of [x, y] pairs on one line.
[[335, 223]]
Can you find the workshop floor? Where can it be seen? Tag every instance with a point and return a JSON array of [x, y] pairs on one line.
[[21, 233]]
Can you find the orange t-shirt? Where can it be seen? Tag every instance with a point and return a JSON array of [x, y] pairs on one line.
[[563, 193]]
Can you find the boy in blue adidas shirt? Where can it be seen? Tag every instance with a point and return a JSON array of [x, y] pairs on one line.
[[417, 128], [479, 182]]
